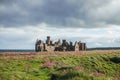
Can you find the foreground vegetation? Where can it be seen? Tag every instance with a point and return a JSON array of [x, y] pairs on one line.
[[88, 65]]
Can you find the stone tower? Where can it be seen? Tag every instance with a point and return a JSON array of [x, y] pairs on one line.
[[39, 46], [48, 41]]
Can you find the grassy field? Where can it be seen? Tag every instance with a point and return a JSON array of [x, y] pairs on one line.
[[84, 65]]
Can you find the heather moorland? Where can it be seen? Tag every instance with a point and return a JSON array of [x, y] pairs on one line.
[[83, 65]]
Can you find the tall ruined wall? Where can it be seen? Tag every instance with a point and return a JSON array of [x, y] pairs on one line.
[[58, 46]]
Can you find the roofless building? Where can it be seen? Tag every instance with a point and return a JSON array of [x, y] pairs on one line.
[[59, 46]]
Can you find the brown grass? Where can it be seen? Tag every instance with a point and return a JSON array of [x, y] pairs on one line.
[[19, 55]]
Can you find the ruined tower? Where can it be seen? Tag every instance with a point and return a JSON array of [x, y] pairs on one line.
[[39, 46], [48, 41], [82, 46], [76, 47]]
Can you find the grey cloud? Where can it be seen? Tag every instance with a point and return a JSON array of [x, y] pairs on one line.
[[66, 13]]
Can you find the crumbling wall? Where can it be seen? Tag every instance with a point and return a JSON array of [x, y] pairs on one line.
[[58, 46]]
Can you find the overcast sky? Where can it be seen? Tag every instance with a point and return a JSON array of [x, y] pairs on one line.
[[96, 22]]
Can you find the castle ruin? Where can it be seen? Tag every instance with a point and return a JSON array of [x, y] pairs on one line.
[[59, 46]]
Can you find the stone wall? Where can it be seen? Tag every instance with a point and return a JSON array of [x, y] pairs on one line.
[[58, 46]]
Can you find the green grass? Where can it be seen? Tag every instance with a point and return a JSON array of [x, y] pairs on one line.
[[61, 66]]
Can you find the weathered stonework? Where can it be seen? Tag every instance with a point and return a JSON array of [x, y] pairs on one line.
[[58, 46]]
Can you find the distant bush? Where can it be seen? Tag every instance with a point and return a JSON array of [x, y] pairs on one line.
[[115, 59]]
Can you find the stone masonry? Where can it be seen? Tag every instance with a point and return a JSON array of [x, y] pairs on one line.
[[59, 46]]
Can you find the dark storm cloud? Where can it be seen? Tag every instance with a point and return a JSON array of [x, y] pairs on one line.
[[66, 13]]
